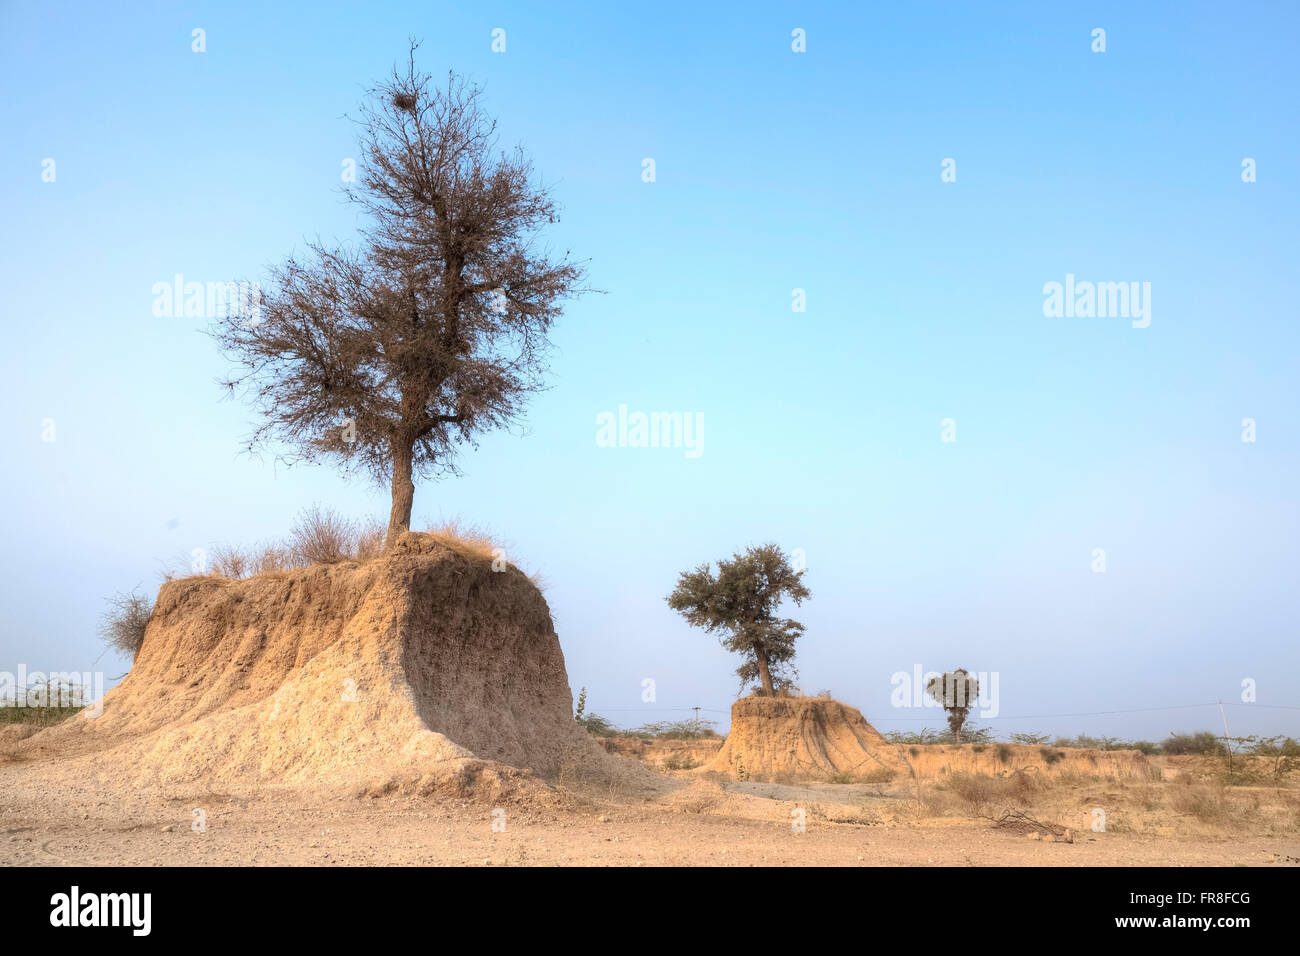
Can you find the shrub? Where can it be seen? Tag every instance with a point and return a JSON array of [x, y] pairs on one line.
[[976, 789], [370, 541], [37, 716], [1275, 747], [1083, 741], [700, 801], [598, 726], [679, 762], [1021, 785], [1034, 740], [271, 558], [43, 703], [1201, 744], [229, 562], [979, 790], [687, 729], [321, 537], [925, 736], [1205, 802], [594, 724], [1051, 756], [123, 624]]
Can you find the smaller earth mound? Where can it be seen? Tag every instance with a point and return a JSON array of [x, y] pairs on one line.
[[805, 738]]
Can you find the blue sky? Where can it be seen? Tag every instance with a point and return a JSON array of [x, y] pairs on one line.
[[775, 171]]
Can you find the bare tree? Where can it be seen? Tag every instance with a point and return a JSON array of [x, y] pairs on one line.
[[387, 357]]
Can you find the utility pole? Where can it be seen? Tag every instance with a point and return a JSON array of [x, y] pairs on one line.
[[697, 719]]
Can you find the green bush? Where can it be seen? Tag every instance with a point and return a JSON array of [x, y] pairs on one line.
[[1203, 744], [1031, 739], [688, 729]]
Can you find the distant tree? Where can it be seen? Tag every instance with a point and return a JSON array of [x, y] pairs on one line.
[[387, 357], [1283, 753], [688, 729], [956, 691], [925, 735], [594, 724], [971, 735], [740, 602], [1031, 739], [1204, 743]]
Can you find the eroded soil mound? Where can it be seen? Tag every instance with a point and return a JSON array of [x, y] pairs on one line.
[[805, 738], [418, 666]]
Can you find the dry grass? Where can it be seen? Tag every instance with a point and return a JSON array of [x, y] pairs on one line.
[[699, 799], [1207, 802], [466, 539], [271, 558], [1187, 804], [321, 536], [318, 536], [980, 790], [37, 716], [369, 541], [475, 542], [229, 562]]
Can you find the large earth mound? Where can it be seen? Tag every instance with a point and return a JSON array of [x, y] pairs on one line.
[[424, 663], [805, 738]]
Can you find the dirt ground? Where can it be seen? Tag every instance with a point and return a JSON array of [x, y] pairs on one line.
[[737, 824], [379, 712]]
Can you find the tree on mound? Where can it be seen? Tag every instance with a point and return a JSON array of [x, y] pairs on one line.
[[956, 692], [740, 602], [387, 357]]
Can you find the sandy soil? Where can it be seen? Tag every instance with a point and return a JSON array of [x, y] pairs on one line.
[[95, 825]]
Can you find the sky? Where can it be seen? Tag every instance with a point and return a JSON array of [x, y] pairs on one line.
[[953, 464]]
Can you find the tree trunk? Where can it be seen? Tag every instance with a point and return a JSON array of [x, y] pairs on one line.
[[399, 519], [764, 674]]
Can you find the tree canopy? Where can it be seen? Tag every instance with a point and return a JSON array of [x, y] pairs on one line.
[[388, 355], [740, 602]]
